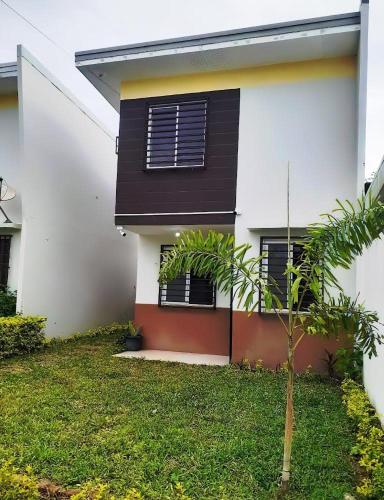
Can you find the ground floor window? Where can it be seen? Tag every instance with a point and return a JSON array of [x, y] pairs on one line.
[[187, 290], [276, 255], [5, 246]]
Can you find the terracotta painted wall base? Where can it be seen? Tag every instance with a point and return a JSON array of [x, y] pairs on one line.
[[261, 336], [184, 329]]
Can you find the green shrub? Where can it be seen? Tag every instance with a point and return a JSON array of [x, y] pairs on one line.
[[20, 334], [7, 302], [15, 485], [349, 363], [111, 329], [369, 447], [93, 491]]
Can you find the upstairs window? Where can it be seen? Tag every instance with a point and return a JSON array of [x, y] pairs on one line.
[[187, 290], [274, 266], [5, 246], [176, 135]]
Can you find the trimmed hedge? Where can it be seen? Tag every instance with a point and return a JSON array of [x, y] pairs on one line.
[[111, 329], [24, 334], [21, 334], [369, 447], [100, 331]]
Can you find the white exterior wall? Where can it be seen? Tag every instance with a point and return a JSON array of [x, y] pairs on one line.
[[370, 284], [311, 124], [76, 268], [148, 266], [362, 90]]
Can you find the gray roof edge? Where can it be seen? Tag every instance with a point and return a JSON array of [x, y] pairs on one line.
[[221, 36], [8, 70]]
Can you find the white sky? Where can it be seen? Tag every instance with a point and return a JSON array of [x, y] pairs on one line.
[[87, 24]]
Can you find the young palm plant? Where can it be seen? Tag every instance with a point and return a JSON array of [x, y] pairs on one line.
[[335, 242]]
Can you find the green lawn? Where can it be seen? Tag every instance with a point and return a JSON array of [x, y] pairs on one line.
[[75, 413]]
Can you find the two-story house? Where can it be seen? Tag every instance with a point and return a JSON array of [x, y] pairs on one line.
[[59, 248], [208, 125]]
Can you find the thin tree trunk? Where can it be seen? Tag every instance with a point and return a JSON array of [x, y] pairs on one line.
[[289, 408], [288, 421]]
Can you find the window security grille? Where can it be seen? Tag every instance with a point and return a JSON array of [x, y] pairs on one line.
[[176, 135], [273, 266], [187, 290], [5, 246]]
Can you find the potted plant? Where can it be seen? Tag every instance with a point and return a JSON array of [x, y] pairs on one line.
[[133, 337]]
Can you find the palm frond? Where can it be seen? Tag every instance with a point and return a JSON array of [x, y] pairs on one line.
[[217, 257], [342, 315], [345, 233], [334, 242]]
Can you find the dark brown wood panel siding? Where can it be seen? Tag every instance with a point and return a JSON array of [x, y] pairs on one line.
[[211, 188]]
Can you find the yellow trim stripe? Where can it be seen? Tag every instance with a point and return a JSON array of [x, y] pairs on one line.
[[340, 67], [8, 101]]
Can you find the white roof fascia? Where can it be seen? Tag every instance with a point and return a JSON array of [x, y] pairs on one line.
[[220, 45], [22, 52]]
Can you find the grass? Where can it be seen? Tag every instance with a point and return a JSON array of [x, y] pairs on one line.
[[75, 413]]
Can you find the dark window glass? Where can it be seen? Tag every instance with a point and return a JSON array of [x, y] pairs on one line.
[[187, 290], [5, 246], [175, 290], [176, 134], [274, 266], [201, 291]]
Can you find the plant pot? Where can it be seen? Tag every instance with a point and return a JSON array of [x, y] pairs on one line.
[[134, 343]]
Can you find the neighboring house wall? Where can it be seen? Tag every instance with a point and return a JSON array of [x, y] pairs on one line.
[[76, 268], [370, 289], [9, 153], [10, 171], [370, 286]]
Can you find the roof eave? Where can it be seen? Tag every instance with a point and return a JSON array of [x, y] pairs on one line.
[[8, 70], [339, 20]]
